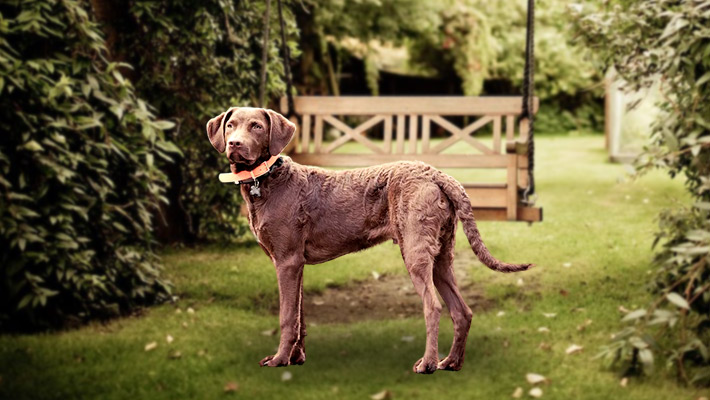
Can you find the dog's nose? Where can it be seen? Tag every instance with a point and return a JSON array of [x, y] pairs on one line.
[[235, 143]]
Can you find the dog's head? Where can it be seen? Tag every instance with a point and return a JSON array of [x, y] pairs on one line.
[[248, 135]]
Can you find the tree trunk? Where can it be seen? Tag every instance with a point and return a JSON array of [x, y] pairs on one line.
[[172, 224]]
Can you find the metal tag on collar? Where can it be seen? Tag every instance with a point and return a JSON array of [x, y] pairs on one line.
[[254, 191]]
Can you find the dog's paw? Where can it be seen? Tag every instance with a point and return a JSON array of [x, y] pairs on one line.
[[450, 364], [298, 357], [425, 366], [274, 361]]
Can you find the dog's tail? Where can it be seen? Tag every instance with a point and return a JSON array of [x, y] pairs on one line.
[[457, 195]]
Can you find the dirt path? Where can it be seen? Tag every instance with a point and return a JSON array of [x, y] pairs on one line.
[[388, 297]]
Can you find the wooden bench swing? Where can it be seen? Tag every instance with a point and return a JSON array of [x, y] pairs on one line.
[[406, 124]]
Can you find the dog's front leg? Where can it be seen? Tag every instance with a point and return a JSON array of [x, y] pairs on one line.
[[290, 277]]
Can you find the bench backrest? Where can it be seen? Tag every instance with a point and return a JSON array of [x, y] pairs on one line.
[[407, 125]]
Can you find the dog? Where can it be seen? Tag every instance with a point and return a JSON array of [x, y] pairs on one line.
[[307, 215]]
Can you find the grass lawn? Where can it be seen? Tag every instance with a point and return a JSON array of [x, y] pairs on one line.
[[593, 255]]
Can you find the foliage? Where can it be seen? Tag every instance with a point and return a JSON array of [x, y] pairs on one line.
[[79, 181], [562, 63], [559, 116], [194, 60], [328, 23], [667, 41], [475, 39], [464, 40]]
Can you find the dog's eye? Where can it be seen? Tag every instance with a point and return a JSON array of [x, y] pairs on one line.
[[229, 126], [256, 125]]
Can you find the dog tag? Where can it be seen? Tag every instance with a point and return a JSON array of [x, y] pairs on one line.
[[255, 191]]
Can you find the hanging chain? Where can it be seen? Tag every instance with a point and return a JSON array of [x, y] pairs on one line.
[[529, 100]]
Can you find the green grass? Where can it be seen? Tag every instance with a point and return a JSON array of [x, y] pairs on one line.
[[595, 220]]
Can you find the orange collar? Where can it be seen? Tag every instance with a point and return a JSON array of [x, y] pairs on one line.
[[242, 176]]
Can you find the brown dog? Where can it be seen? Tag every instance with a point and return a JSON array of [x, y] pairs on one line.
[[306, 215]]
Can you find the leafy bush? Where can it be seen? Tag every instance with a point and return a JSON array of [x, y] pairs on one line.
[[78, 181], [557, 116], [192, 61], [667, 41]]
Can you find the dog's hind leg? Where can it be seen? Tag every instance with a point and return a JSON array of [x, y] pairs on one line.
[[419, 230], [461, 314]]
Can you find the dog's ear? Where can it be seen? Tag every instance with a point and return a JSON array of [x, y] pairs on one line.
[[280, 133], [215, 130]]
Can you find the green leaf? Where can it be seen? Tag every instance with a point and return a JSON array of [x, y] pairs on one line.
[[703, 79], [169, 146], [674, 26], [634, 315], [25, 301], [695, 150], [698, 235], [163, 124], [646, 359], [117, 110], [678, 300], [120, 227], [32, 145], [93, 82]]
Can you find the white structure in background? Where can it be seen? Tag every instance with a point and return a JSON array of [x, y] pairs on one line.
[[627, 130]]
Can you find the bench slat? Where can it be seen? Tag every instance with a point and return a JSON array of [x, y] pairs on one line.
[[487, 196], [461, 134], [441, 105], [436, 160], [355, 133], [492, 161], [413, 119], [526, 214], [400, 134], [388, 134], [426, 133]]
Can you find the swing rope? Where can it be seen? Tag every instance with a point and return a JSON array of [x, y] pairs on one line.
[[264, 54], [528, 99], [287, 67], [286, 56]]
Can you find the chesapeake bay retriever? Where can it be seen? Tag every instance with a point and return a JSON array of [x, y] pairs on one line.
[[307, 215]]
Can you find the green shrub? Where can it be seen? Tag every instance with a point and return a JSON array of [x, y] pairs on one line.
[[78, 177], [194, 60], [557, 116], [667, 41]]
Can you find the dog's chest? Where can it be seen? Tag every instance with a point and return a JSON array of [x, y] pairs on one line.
[[264, 216], [252, 214]]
